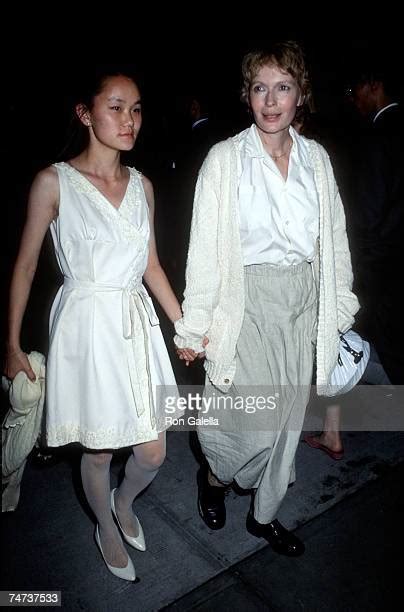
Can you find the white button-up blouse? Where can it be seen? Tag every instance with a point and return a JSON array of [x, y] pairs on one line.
[[279, 220]]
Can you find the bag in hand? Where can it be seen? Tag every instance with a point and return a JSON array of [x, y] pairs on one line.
[[352, 361]]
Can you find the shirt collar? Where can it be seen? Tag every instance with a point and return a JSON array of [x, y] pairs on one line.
[[253, 146], [384, 109], [199, 121]]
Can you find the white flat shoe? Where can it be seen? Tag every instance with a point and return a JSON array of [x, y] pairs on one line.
[[137, 542], [126, 573]]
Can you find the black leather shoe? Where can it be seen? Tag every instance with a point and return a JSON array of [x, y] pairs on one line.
[[281, 540], [211, 501]]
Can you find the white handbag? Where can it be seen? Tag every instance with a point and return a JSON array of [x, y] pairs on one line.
[[352, 361]]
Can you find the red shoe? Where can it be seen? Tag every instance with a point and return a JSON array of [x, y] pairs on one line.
[[311, 441]]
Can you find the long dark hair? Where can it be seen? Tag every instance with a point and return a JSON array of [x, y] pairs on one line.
[[85, 89]]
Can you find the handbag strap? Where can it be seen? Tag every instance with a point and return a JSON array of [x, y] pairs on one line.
[[345, 345]]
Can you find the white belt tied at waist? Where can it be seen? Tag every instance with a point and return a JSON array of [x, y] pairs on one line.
[[136, 304]]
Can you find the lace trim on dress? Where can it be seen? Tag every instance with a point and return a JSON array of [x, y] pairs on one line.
[[120, 216], [102, 438]]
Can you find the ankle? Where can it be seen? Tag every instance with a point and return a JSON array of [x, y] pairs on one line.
[[213, 481], [120, 508], [331, 440]]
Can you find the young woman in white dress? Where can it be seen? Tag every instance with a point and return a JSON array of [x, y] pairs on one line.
[[106, 353]]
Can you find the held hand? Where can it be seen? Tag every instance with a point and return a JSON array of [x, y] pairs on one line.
[[186, 354], [205, 342], [17, 361]]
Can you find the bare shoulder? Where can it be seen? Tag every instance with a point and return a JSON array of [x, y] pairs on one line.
[[148, 189], [45, 189], [46, 180], [147, 184]]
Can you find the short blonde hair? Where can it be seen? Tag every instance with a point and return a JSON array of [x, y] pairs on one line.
[[287, 56]]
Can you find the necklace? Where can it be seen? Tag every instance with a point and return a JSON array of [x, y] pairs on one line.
[[275, 157]]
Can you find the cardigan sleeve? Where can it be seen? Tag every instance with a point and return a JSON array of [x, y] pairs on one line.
[[202, 272], [347, 302]]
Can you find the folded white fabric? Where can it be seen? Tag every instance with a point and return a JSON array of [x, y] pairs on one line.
[[21, 427]]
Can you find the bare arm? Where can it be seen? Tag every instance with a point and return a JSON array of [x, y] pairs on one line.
[[154, 275], [157, 280], [42, 209]]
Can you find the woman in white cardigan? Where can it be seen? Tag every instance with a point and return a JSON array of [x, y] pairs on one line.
[[268, 282]]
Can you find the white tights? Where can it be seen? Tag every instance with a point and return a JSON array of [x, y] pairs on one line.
[[141, 467]]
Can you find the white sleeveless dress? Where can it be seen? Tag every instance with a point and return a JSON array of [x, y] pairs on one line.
[[107, 355]]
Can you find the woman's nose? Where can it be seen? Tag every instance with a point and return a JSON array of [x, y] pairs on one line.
[[269, 99], [129, 119]]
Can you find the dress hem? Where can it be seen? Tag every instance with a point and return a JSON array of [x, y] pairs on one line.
[[53, 442]]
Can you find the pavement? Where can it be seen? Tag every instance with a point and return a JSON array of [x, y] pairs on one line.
[[348, 512]]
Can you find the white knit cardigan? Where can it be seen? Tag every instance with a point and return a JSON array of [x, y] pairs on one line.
[[214, 295]]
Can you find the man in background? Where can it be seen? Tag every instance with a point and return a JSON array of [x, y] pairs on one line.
[[377, 208]]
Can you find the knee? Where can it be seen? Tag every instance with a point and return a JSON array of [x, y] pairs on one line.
[[98, 460], [153, 460]]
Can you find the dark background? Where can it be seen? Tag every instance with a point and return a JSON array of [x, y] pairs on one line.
[[42, 65], [39, 79]]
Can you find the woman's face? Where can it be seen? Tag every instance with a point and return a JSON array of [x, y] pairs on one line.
[[273, 98], [116, 117]]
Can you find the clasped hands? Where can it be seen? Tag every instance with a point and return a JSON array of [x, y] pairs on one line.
[[187, 354]]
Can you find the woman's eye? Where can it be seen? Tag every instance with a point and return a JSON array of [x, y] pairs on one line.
[[115, 108], [258, 88], [284, 87]]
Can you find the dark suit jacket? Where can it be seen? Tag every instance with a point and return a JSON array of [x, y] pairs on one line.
[[378, 239], [379, 191]]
